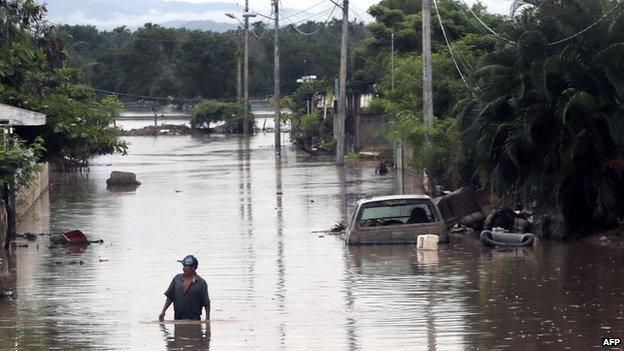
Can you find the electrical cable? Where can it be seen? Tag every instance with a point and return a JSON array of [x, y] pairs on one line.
[[355, 12], [309, 18], [99, 90], [435, 2], [588, 27], [253, 31], [302, 11], [323, 25], [484, 24]]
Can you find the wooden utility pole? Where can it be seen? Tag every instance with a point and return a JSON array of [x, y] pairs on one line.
[[277, 96], [342, 89], [246, 78], [427, 75]]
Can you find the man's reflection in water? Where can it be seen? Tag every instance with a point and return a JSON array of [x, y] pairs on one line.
[[187, 336]]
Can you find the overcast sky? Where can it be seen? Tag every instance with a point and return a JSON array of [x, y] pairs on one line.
[[112, 13], [360, 6], [497, 6]]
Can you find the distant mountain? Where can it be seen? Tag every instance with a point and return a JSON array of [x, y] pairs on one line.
[[107, 14], [201, 25]]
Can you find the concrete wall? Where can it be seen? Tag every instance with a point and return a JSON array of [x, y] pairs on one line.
[[412, 178], [27, 198], [367, 131]]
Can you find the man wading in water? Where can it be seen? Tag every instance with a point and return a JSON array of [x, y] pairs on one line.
[[188, 292]]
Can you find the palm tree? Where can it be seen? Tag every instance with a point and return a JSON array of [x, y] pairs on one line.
[[546, 125]]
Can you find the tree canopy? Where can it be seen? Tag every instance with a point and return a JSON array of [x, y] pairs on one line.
[[185, 64], [34, 75], [546, 125]]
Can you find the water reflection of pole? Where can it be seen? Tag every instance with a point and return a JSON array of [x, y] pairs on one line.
[[350, 279], [246, 214], [431, 332], [342, 184], [349, 282], [280, 291]]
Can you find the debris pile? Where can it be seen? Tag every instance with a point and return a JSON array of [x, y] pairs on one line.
[[74, 237]]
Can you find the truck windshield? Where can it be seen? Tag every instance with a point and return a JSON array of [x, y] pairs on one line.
[[396, 212]]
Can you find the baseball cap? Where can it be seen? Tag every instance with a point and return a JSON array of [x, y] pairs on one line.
[[189, 260]]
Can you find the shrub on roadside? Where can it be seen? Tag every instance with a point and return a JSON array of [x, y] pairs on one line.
[[210, 112]]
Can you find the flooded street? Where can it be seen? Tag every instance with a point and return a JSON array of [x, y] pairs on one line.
[[275, 282]]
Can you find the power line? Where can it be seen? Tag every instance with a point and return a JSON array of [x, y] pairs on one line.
[[99, 90], [320, 27], [309, 18], [448, 44], [303, 11], [588, 27], [132, 95], [484, 24], [253, 30]]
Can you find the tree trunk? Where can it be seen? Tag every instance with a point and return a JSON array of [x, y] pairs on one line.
[[9, 203]]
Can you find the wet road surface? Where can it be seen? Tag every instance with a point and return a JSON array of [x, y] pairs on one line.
[[276, 283]]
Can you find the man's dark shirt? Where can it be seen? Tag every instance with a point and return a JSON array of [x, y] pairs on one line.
[[188, 305]]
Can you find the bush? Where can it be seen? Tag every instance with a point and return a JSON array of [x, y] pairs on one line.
[[376, 106], [308, 126], [207, 112]]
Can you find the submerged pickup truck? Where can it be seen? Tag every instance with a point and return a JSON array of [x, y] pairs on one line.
[[397, 219]]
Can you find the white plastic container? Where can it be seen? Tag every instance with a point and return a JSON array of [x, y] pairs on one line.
[[427, 242]]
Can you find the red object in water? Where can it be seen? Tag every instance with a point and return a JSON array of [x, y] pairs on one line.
[[75, 237]]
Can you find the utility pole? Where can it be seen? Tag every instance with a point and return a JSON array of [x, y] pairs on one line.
[[392, 62], [246, 78], [7, 26], [342, 93], [277, 97], [239, 64], [398, 146], [427, 75]]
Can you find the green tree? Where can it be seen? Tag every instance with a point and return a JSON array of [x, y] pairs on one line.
[[18, 169], [145, 64], [434, 150], [210, 112], [547, 124], [202, 57], [34, 75]]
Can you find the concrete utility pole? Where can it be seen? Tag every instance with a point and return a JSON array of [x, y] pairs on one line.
[[427, 75], [392, 62], [398, 146], [342, 93], [239, 64], [277, 97], [246, 79], [7, 26]]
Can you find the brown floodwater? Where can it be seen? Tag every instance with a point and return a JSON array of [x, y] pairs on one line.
[[275, 282]]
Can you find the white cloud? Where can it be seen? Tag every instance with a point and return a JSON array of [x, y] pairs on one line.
[[292, 12]]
